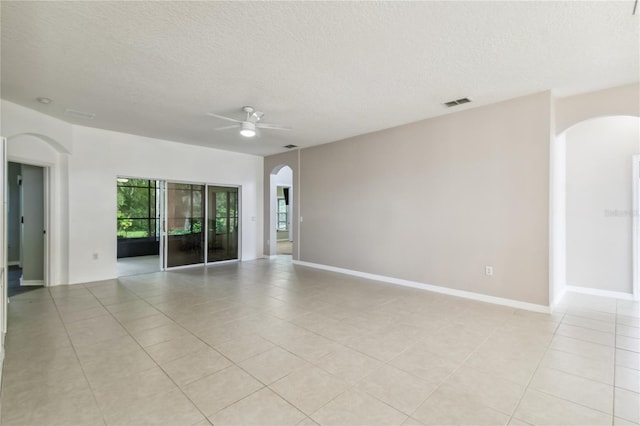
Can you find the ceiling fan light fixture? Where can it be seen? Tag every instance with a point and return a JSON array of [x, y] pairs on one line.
[[248, 129]]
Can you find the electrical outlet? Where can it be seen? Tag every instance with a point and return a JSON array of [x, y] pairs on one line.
[[488, 270]]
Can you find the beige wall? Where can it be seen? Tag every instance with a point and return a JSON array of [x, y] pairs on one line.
[[622, 100], [436, 201], [599, 210]]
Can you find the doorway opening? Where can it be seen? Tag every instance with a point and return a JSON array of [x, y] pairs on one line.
[[283, 220], [594, 209], [27, 211], [138, 226], [282, 211]]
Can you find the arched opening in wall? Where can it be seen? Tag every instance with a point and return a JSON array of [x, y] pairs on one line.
[[595, 184], [281, 212], [33, 228]]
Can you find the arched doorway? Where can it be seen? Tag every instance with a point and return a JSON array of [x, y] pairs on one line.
[[594, 208], [284, 198], [281, 212], [41, 152]]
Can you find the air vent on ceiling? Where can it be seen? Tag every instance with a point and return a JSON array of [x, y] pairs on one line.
[[457, 102], [79, 114], [291, 146]]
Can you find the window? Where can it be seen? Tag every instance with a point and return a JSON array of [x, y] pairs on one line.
[[185, 209], [282, 215], [137, 208]]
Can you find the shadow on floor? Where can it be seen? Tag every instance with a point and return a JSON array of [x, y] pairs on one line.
[[13, 282]]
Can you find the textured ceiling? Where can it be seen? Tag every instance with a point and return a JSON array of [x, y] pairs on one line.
[[329, 70]]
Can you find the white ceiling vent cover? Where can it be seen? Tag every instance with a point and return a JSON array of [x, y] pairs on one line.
[[79, 114]]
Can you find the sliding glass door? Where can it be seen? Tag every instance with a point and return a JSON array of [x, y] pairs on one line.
[[222, 223], [192, 211], [184, 224]]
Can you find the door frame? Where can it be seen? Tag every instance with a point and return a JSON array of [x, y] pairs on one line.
[[164, 216], [159, 214], [238, 189], [46, 192]]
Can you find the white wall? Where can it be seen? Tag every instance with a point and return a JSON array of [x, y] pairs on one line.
[[558, 220], [84, 184], [284, 177], [599, 211]]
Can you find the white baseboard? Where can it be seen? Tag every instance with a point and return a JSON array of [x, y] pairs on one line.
[[598, 292], [26, 283], [556, 301], [13, 263], [429, 287]]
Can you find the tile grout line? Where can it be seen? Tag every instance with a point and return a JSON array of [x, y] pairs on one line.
[[233, 364], [612, 414], [615, 354], [454, 371], [156, 362], [143, 349], [84, 373], [536, 369]]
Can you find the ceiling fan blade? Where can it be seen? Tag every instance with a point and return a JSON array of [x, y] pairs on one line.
[[224, 118], [233, 126], [272, 126]]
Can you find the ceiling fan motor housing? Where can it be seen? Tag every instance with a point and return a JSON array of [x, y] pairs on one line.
[[248, 129]]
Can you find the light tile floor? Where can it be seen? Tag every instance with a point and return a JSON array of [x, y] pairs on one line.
[[266, 342], [138, 265]]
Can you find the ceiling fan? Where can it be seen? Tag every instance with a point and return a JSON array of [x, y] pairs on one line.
[[249, 125]]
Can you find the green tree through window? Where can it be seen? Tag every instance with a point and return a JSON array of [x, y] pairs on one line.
[[136, 208], [282, 215]]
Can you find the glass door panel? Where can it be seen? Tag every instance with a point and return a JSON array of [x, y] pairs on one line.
[[184, 224], [222, 225]]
